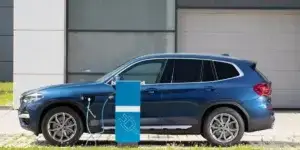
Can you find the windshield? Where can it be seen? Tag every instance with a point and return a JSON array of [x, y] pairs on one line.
[[106, 76]]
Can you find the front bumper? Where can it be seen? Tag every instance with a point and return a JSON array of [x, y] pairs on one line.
[[28, 115]]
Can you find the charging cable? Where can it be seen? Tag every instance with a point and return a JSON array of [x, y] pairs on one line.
[[90, 112]]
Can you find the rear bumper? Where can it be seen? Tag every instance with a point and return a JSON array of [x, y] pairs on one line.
[[261, 124]]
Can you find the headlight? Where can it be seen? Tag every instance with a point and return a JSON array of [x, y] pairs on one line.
[[32, 97]]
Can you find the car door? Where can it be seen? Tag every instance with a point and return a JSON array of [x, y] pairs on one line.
[[149, 72], [184, 96]]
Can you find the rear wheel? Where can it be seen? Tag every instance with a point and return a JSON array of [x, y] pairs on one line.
[[62, 126], [223, 127]]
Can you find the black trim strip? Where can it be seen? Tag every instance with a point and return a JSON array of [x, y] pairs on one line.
[[113, 30]]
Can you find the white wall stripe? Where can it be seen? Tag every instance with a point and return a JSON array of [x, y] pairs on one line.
[[127, 109]]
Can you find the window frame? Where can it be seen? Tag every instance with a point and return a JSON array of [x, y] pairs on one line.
[[216, 72], [212, 67], [241, 73], [161, 70], [174, 68]]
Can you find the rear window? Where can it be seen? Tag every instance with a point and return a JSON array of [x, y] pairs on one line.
[[225, 70]]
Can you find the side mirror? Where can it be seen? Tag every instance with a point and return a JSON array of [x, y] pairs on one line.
[[115, 79]]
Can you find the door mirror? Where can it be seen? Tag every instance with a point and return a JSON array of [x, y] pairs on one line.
[[115, 79]]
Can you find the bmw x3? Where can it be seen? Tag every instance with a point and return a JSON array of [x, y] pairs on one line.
[[217, 96]]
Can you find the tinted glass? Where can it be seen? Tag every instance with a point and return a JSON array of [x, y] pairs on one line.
[[225, 70], [166, 76], [207, 71], [187, 71], [147, 71]]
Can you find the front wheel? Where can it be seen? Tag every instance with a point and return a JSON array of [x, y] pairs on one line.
[[62, 126], [223, 127]]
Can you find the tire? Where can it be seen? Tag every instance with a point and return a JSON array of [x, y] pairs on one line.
[[74, 123], [236, 122]]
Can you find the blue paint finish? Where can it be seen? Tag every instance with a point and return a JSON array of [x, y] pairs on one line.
[[127, 117], [171, 104]]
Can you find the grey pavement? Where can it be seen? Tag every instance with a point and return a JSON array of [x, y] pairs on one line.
[[286, 129]]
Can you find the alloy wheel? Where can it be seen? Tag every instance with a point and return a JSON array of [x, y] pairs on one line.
[[224, 127], [62, 127]]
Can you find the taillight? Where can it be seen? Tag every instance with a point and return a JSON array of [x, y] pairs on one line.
[[263, 89]]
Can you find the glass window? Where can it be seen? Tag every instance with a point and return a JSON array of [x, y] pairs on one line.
[[166, 76], [187, 71], [122, 14], [102, 52], [225, 70], [148, 71], [207, 71]]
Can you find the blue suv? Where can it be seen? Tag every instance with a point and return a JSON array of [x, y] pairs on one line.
[[217, 96]]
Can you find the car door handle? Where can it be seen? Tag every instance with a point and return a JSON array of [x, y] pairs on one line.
[[151, 90], [209, 88]]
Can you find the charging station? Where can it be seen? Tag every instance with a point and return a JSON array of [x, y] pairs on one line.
[[127, 112]]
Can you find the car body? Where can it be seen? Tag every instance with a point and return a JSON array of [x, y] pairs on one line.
[[183, 93]]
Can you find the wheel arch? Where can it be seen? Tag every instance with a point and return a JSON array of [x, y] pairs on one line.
[[68, 104], [233, 105]]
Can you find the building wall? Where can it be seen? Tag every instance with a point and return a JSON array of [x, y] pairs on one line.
[[6, 40], [39, 44], [58, 41], [260, 4], [104, 34]]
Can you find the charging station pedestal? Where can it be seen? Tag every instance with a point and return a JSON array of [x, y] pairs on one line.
[[127, 112]]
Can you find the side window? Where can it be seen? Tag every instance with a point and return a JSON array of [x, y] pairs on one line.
[[187, 70], [225, 70], [166, 76], [148, 71], [207, 71]]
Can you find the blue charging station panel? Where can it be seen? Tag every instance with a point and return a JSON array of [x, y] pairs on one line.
[[127, 112]]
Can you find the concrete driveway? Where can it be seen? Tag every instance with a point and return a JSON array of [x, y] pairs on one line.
[[286, 129]]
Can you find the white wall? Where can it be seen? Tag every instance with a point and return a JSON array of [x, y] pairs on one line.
[[39, 44]]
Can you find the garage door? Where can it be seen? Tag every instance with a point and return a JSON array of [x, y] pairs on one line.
[[269, 37]]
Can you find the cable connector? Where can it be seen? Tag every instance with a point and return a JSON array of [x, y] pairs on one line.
[[102, 116]]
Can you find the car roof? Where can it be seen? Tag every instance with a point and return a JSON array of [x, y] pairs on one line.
[[220, 57]]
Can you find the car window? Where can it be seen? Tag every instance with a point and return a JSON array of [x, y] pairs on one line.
[[187, 70], [166, 76], [225, 70], [148, 71], [207, 71]]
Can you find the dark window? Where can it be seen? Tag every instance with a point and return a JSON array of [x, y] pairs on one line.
[[166, 76], [187, 71], [148, 71], [207, 71], [225, 70]]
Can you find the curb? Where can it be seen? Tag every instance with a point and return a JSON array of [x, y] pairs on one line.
[[6, 108]]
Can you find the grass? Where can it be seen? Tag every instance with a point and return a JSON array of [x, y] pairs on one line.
[[6, 93]]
